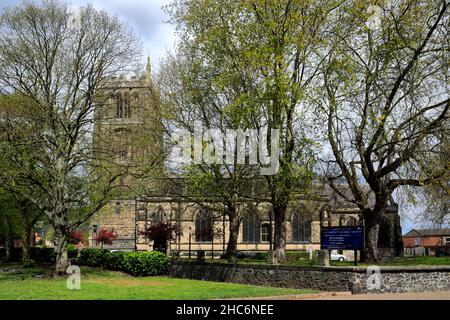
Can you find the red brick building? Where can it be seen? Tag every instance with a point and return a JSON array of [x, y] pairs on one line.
[[427, 242]]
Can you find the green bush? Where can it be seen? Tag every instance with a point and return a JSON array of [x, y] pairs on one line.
[[297, 255], [43, 255], [115, 261], [28, 263], [15, 254], [261, 256], [146, 263], [72, 251], [135, 263], [93, 257]]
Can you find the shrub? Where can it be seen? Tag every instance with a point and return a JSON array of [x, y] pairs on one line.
[[161, 232], [115, 261], [72, 251], [261, 256], [297, 255], [15, 254], [43, 255], [75, 237], [106, 237], [28, 263], [146, 263], [93, 257], [39, 255], [135, 263]]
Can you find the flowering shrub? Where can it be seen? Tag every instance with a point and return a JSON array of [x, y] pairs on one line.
[[106, 237], [75, 237], [160, 232]]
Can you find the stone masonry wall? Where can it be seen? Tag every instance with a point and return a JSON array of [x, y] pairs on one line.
[[393, 279]]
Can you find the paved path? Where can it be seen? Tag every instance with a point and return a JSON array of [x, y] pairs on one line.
[[444, 295]]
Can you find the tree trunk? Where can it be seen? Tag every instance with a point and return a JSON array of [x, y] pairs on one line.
[[6, 238], [279, 242], [9, 239], [26, 235], [62, 260], [370, 252], [7, 249], [232, 240], [8, 246], [26, 244]]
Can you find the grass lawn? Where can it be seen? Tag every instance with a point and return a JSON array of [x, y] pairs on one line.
[[415, 261], [400, 261], [97, 284]]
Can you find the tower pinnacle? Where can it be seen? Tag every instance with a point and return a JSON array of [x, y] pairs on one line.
[[148, 70]]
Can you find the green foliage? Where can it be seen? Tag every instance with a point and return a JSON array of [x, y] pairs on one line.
[[146, 263], [109, 285], [261, 256], [28, 263], [135, 263], [93, 257], [38, 255], [290, 256], [43, 255], [297, 255], [115, 261], [72, 251]]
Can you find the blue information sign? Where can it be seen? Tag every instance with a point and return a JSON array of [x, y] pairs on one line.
[[342, 238]]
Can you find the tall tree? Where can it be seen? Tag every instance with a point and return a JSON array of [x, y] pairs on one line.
[[198, 91], [384, 94], [59, 61], [266, 51]]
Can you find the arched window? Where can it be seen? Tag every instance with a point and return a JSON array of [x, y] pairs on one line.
[[203, 227], [119, 106], [301, 228], [352, 222], [127, 106], [142, 212], [159, 216], [251, 229]]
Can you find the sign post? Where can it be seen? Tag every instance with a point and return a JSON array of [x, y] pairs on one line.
[[342, 238]]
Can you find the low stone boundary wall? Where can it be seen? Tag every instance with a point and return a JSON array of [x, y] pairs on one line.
[[353, 279]]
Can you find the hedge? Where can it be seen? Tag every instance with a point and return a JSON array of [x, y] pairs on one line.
[[137, 264], [39, 255], [146, 263], [93, 257]]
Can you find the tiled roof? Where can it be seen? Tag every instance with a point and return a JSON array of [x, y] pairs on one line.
[[428, 232]]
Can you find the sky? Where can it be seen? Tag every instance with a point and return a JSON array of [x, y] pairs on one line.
[[146, 17]]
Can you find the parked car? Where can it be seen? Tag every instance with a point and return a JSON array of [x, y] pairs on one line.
[[335, 256]]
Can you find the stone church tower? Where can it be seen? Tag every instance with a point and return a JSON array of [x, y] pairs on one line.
[[127, 123]]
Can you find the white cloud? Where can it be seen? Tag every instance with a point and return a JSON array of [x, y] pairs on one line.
[[146, 17]]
